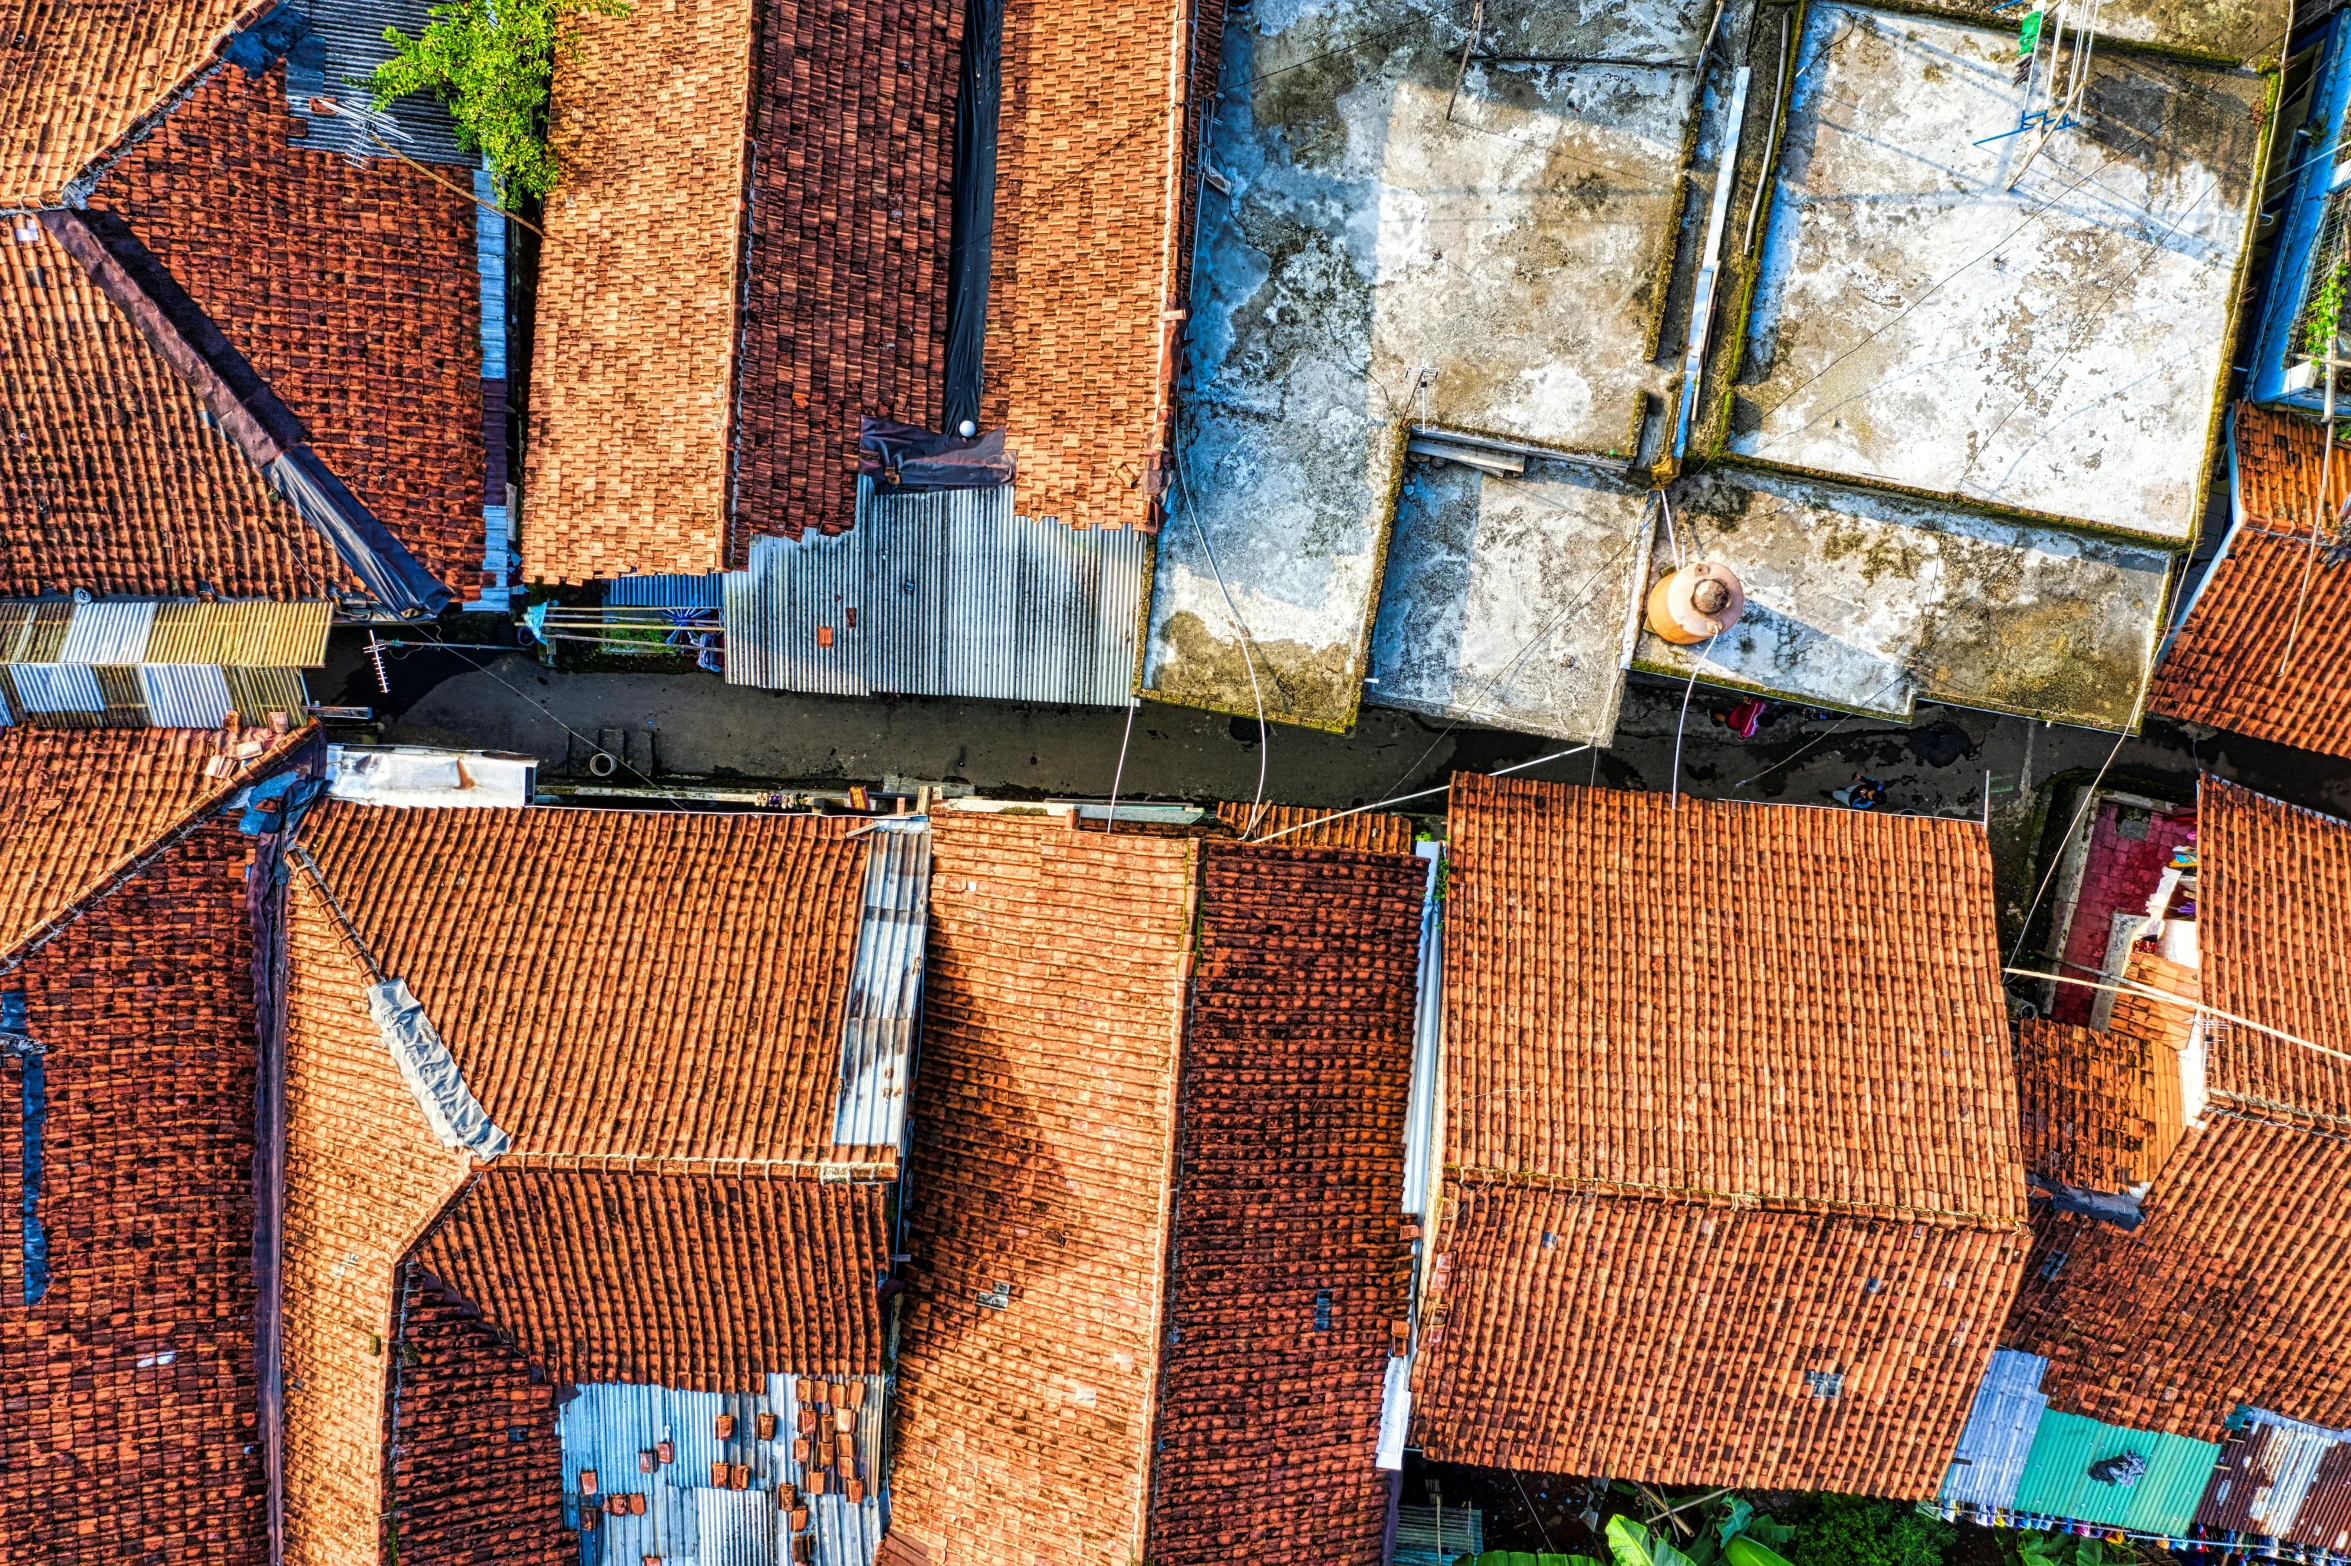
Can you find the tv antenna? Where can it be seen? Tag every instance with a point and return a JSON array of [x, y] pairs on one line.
[[2054, 76]]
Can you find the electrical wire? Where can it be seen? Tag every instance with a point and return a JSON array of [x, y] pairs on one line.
[[1119, 775], [1382, 804], [1682, 724], [548, 713], [1248, 642], [2148, 992]]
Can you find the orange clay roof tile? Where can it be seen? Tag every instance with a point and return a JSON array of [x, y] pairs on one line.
[[1729, 1098], [2092, 1104], [110, 477], [1373, 831], [79, 806], [632, 373], [74, 79], [2228, 666]]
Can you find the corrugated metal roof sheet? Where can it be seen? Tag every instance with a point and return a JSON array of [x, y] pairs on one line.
[[184, 696], [1998, 1439], [2057, 1483], [32, 631], [885, 988], [2270, 1473], [354, 34], [607, 1426], [947, 594], [1428, 1033], [57, 687], [686, 590], [114, 632]]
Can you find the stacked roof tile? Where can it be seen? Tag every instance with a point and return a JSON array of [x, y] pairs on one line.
[[2264, 649], [1081, 1370], [652, 1005], [351, 288], [112, 479], [75, 79], [845, 297], [2101, 1108], [131, 1428], [1733, 1192], [632, 374]]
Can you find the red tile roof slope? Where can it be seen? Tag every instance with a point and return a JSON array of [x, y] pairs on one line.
[[477, 1470], [129, 1389], [2090, 1104], [2228, 666], [1290, 1273], [2274, 932], [1816, 994], [110, 477], [1729, 1099], [704, 1282], [1684, 1342], [80, 806], [845, 304], [1373, 831], [654, 983], [1052, 1007], [75, 78], [632, 370], [1092, 245], [2235, 1289], [363, 1179], [352, 289]]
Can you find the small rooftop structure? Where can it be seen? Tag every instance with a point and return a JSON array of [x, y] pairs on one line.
[[2317, 198], [2261, 643], [1365, 267], [1070, 1350], [1790, 1276], [1936, 315]]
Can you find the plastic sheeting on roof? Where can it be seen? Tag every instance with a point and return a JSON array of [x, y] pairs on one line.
[[610, 1427], [1998, 1437], [946, 594], [421, 778], [456, 1116], [2279, 1478], [2057, 1481], [885, 987]]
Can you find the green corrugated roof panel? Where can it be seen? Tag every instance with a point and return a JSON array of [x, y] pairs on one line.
[[2057, 1480]]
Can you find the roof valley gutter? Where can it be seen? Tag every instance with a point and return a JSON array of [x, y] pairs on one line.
[[972, 223], [260, 426], [1726, 175]]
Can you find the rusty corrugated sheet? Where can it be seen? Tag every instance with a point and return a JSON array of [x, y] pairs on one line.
[[2280, 1478]]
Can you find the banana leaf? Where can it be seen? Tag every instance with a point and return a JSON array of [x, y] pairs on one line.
[[1746, 1551], [1634, 1545], [1734, 1519]]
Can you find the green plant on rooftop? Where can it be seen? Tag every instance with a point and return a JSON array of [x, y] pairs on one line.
[[1853, 1530], [492, 62], [2326, 313]]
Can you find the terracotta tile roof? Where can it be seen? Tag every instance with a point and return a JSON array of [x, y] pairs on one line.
[[352, 289], [129, 1389], [1733, 1187], [2274, 936], [1052, 1005], [845, 304], [80, 806], [110, 477], [618, 982], [1092, 247], [476, 1469], [2228, 667], [632, 369], [75, 78], [2091, 1111], [363, 1179], [1290, 1268], [1373, 831], [1819, 990], [2233, 1290], [707, 1283]]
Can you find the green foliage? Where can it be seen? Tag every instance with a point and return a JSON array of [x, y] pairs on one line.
[[2326, 314], [1523, 1558], [1747, 1551], [1850, 1530], [2030, 1548], [1634, 1545], [491, 62]]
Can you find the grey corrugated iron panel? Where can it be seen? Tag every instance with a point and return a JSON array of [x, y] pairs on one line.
[[58, 688], [885, 989], [1428, 1034], [489, 254], [2266, 1474], [845, 1535], [690, 590], [354, 32], [953, 595], [184, 696], [1998, 1436], [109, 633], [734, 1528]]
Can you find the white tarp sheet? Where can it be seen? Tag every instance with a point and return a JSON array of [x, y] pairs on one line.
[[449, 1106]]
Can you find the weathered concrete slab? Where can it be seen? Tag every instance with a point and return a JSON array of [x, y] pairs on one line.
[[1377, 264], [2246, 30], [2057, 349], [1509, 601], [1873, 602]]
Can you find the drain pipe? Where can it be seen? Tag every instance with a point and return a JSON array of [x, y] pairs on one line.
[[1710, 273]]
